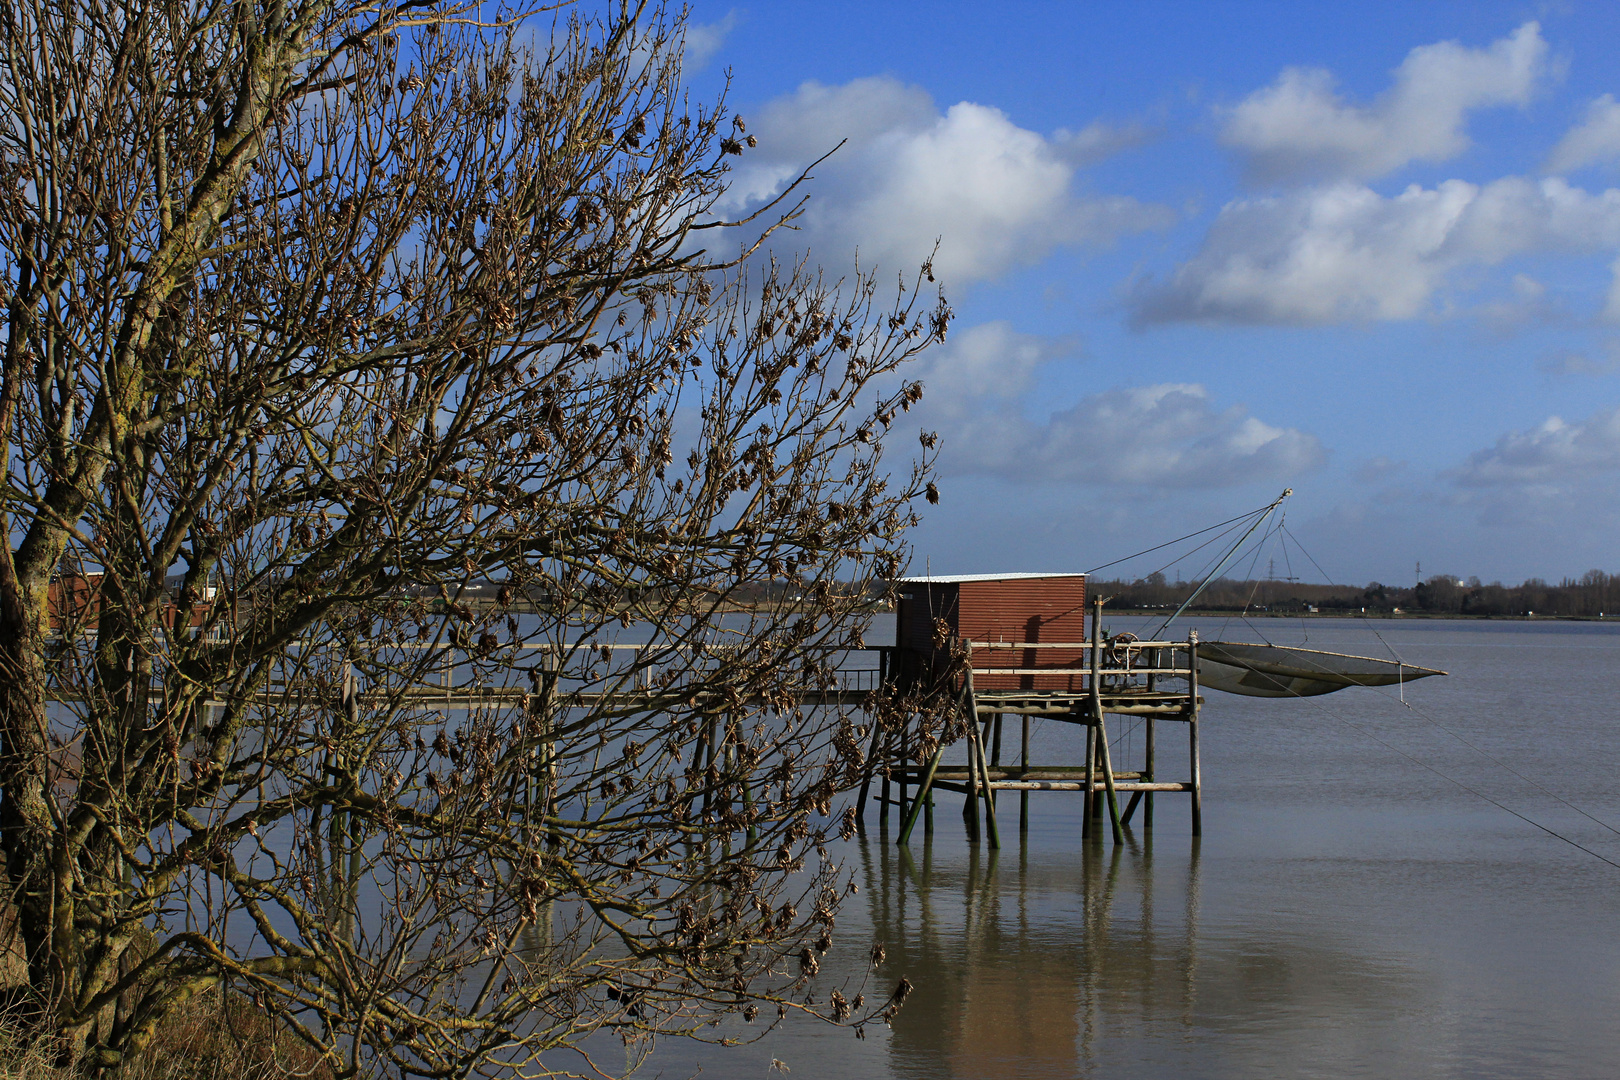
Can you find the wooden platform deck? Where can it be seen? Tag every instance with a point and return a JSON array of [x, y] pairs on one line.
[[1071, 706]]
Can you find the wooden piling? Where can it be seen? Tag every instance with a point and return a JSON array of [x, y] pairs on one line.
[[1130, 807], [1091, 782], [873, 761], [970, 802], [995, 747], [748, 800], [709, 771], [1192, 734], [883, 795], [901, 756], [925, 791], [1108, 780], [1023, 796], [1147, 774], [989, 792]]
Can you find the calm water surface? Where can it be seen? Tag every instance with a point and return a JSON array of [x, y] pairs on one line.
[[1350, 911]]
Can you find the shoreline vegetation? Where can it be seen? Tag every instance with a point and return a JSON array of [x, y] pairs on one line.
[[217, 1035], [1593, 596]]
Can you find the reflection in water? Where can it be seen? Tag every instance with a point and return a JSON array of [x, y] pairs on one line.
[[1087, 961], [1346, 915], [1016, 967]]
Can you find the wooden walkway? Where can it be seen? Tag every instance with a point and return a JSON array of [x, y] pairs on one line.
[[1121, 678]]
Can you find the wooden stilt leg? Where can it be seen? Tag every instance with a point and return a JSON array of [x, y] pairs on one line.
[[1098, 802], [1108, 780], [1098, 742], [884, 796], [1130, 808], [748, 806], [1091, 781], [970, 802], [872, 763], [1147, 775], [709, 741], [902, 761], [989, 798], [976, 763], [925, 791], [992, 730], [1192, 735], [1023, 796], [1197, 780]]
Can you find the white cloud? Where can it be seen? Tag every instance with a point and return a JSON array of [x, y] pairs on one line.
[[1611, 309], [995, 195], [1526, 303], [1343, 252], [1300, 127], [987, 362], [1560, 473], [703, 41], [1097, 141], [1595, 140], [1379, 469], [1165, 436], [1554, 454], [1568, 361], [1169, 435]]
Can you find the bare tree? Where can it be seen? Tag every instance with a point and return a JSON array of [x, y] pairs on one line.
[[388, 451]]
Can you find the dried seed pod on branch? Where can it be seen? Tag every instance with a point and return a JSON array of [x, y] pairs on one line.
[[424, 547]]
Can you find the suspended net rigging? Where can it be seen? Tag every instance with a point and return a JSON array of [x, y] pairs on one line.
[[1264, 668]]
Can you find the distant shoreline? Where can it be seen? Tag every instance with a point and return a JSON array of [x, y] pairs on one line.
[[1390, 615]]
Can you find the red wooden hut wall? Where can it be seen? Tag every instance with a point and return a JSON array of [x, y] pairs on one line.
[[76, 599], [1033, 608], [73, 598]]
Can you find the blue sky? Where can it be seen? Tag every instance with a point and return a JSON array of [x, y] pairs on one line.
[[1201, 252]]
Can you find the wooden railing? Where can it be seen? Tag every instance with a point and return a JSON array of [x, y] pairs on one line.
[[1111, 660]]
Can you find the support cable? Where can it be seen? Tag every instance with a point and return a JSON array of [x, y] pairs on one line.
[[1281, 534], [1170, 543], [1185, 604], [1475, 791], [1363, 615]]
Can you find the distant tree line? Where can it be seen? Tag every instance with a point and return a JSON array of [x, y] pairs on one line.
[[1592, 594]]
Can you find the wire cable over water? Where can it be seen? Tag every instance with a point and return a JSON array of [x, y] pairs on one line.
[[1475, 791], [1426, 717], [1282, 531], [1171, 543]]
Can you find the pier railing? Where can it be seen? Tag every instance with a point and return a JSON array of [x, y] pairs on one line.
[[1110, 659]]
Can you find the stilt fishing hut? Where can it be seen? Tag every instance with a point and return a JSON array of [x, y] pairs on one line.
[[1028, 655], [1017, 645]]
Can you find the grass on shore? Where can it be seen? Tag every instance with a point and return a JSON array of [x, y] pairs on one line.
[[215, 1036]]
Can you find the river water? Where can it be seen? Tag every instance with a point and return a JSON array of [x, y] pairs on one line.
[[1353, 909]]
